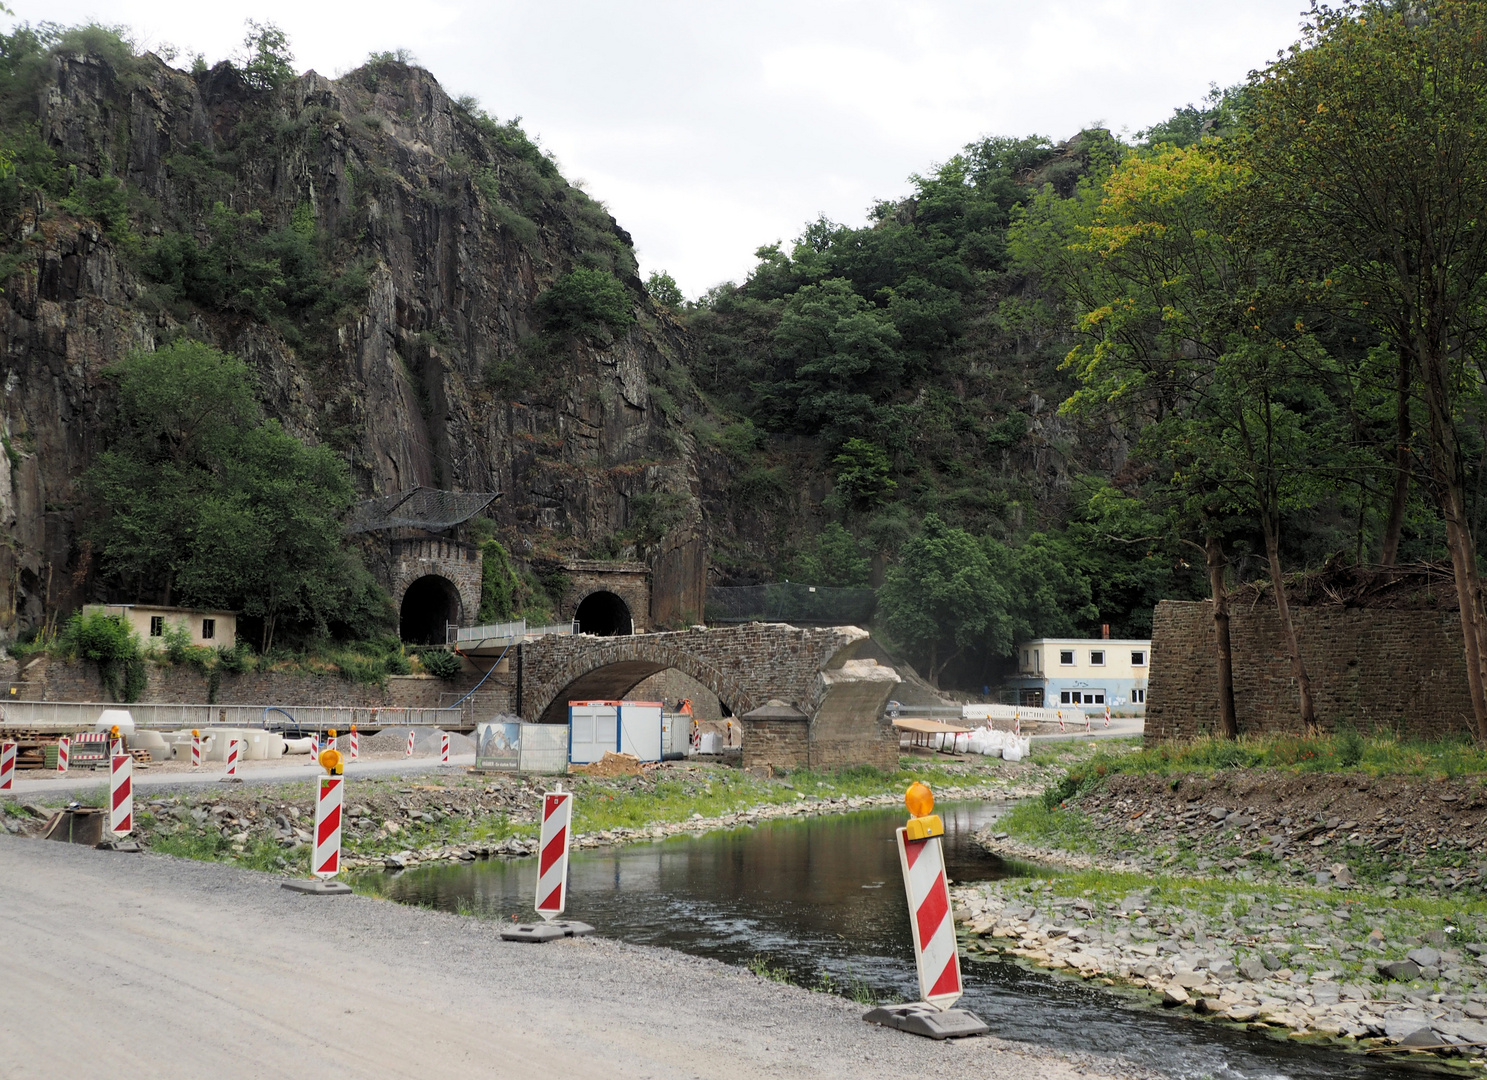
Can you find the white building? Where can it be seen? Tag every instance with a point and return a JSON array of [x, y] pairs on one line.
[[1083, 673], [210, 628]]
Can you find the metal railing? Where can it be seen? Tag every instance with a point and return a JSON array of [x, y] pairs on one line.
[[498, 633], [80, 715]]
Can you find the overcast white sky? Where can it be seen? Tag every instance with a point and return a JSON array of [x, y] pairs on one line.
[[710, 129]]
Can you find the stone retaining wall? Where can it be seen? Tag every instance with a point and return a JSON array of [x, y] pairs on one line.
[[1371, 669]]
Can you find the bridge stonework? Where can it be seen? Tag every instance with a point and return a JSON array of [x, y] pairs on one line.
[[811, 668]]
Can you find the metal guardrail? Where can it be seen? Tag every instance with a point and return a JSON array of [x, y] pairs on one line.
[[497, 633], [80, 715]]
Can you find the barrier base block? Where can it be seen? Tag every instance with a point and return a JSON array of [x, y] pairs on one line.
[[318, 887], [573, 928], [231, 780], [926, 1020], [535, 933], [121, 844]]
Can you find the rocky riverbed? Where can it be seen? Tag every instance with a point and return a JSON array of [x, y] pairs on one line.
[[1328, 906]]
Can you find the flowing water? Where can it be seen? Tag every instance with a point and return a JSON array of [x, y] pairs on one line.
[[823, 899]]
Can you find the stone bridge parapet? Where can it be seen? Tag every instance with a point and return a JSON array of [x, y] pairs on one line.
[[811, 668]]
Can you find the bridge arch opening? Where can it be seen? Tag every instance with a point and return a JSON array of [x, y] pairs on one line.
[[428, 605], [604, 614]]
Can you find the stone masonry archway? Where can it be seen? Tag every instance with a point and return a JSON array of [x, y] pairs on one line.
[[604, 614], [457, 564], [429, 605], [609, 673]]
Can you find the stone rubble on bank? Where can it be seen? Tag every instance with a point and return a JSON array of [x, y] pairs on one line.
[[1303, 965]]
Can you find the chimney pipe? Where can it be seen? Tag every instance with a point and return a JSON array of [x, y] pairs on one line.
[[1105, 631]]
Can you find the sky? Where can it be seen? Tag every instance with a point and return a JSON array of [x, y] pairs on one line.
[[710, 129]]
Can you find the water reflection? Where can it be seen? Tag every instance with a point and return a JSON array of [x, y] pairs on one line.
[[823, 899]]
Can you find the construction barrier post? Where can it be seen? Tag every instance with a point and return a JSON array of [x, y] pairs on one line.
[[7, 765], [936, 956], [326, 859], [1107, 714], [552, 865], [315, 748], [409, 752], [195, 748], [355, 751], [121, 795], [444, 748], [232, 759], [1061, 720], [64, 751]]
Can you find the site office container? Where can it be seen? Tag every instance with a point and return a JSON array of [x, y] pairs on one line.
[[621, 727]]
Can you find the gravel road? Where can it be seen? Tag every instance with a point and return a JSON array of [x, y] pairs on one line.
[[145, 965]]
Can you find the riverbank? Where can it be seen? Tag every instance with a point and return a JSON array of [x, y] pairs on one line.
[[401, 821], [1332, 903], [209, 969]]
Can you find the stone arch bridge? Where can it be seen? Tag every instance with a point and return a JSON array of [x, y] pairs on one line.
[[813, 669]]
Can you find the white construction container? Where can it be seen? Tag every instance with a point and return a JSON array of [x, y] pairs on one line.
[[621, 727], [640, 729]]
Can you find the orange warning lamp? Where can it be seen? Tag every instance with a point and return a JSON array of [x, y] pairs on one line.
[[114, 731], [330, 757], [923, 821], [195, 734]]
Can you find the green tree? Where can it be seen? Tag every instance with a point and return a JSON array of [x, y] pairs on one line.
[[586, 301], [203, 502], [944, 596], [664, 290], [834, 557], [266, 61], [1365, 145], [862, 473], [498, 583]]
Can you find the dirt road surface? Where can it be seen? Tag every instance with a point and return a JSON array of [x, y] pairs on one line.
[[116, 965]]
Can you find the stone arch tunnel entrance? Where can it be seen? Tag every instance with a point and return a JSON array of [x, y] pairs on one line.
[[604, 614], [429, 603]]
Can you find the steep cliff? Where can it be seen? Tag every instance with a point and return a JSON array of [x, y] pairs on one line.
[[376, 252]]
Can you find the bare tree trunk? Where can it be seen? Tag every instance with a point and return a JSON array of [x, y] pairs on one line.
[[1288, 625], [1400, 502], [1451, 498], [1228, 723]]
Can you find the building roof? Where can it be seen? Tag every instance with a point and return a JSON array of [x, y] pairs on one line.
[[1084, 641], [167, 607]]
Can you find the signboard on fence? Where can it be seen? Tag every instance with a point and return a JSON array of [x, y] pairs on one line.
[[498, 746]]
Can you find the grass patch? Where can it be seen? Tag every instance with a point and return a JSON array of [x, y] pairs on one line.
[[1377, 754], [1034, 822]]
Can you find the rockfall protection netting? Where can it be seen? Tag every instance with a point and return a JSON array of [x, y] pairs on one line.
[[419, 508], [791, 602]]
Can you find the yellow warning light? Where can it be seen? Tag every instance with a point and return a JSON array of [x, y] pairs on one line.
[[353, 729], [114, 731], [195, 734], [331, 733], [924, 822], [330, 761]]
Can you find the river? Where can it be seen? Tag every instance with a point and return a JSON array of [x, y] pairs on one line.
[[822, 898]]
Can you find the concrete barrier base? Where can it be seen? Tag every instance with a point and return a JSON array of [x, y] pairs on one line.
[[318, 887], [926, 1020]]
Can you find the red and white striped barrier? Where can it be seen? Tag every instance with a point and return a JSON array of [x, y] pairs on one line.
[[1107, 714], [444, 748], [115, 747], [325, 860], [1061, 720], [355, 750], [64, 751], [1088, 722], [7, 765], [121, 795], [552, 862], [935, 954], [315, 749], [232, 757], [195, 749], [1017, 722], [410, 742]]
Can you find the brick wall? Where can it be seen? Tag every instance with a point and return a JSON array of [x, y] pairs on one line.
[[631, 582], [459, 563], [778, 744], [671, 686], [49, 679], [1369, 668]]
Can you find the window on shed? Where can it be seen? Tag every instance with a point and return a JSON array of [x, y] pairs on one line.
[[157, 625], [208, 629]]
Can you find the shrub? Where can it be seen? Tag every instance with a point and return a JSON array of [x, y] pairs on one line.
[[497, 584], [238, 660], [397, 664], [586, 301], [108, 641], [439, 663]]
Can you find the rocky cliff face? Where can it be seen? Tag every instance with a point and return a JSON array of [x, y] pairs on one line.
[[441, 227]]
